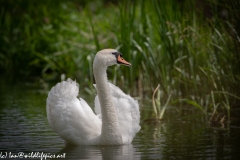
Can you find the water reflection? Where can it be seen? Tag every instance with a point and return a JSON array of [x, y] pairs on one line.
[[121, 152]]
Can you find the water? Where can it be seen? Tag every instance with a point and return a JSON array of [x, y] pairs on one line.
[[184, 134]]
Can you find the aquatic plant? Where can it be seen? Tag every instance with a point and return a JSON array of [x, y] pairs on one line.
[[156, 102]]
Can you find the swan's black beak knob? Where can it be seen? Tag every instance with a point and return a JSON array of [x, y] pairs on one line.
[[120, 60]]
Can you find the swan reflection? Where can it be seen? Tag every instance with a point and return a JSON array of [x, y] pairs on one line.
[[120, 152]]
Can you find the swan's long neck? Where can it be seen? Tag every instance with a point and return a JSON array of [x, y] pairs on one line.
[[110, 124]]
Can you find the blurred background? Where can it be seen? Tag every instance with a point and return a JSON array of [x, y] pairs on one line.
[[191, 48]]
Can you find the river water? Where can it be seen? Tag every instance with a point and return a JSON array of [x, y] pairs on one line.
[[185, 133]]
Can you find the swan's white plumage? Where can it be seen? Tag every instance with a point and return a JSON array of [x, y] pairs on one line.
[[117, 115], [71, 117], [64, 108]]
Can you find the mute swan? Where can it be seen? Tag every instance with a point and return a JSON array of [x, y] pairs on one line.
[[117, 115]]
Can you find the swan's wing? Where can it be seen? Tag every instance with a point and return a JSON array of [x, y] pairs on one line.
[[70, 117], [128, 112]]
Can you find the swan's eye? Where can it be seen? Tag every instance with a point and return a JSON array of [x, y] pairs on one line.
[[117, 54]]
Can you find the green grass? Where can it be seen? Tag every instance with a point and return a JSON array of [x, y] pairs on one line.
[[194, 57], [186, 54]]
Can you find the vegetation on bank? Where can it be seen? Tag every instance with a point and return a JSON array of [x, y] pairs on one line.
[[191, 48]]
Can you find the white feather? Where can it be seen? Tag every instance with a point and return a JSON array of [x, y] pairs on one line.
[[74, 121]]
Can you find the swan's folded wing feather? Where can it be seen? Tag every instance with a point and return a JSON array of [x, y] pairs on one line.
[[125, 104], [70, 117]]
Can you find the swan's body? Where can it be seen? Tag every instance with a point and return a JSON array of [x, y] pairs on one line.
[[117, 115]]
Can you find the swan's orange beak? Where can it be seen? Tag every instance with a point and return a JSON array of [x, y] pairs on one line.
[[120, 60]]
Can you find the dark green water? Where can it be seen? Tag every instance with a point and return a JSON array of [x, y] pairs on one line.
[[184, 134]]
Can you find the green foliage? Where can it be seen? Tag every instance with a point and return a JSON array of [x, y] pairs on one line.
[[42, 41], [26, 30], [172, 43], [159, 110]]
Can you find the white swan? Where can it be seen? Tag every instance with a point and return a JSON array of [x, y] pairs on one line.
[[117, 115]]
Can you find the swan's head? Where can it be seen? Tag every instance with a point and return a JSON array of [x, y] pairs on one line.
[[109, 57]]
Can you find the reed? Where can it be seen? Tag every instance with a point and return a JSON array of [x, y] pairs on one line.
[[158, 109], [169, 43], [183, 52]]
